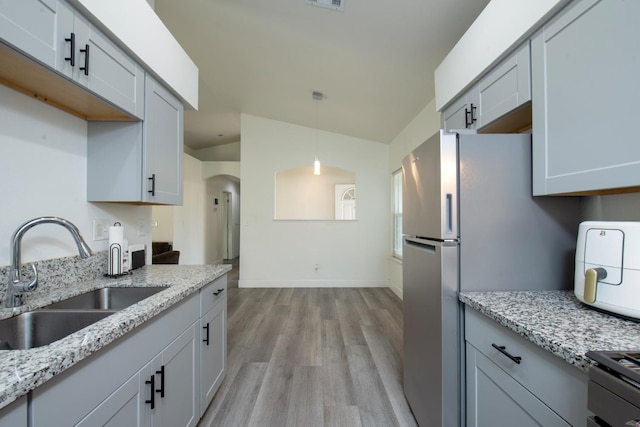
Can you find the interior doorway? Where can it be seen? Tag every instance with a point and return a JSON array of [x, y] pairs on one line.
[[223, 218], [227, 225]]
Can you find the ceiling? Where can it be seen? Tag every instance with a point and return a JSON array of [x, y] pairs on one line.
[[374, 62]]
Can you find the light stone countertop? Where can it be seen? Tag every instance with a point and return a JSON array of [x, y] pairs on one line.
[[557, 322], [24, 370]]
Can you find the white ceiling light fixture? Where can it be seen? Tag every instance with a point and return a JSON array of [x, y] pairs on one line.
[[328, 4], [317, 97]]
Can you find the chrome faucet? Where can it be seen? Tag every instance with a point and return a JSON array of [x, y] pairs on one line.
[[16, 286]]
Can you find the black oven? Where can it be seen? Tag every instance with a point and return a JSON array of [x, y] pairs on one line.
[[614, 389]]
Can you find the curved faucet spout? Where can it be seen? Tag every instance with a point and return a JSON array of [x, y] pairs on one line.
[[16, 286]]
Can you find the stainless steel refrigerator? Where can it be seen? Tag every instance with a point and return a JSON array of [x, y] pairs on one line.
[[470, 224]]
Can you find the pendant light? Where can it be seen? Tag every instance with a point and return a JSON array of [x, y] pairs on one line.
[[317, 97]]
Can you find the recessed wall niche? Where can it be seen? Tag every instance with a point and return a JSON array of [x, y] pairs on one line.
[[301, 195]]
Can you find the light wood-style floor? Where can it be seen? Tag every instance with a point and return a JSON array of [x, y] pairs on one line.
[[312, 357]]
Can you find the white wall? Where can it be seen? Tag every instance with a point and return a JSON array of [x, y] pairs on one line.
[[43, 171], [162, 223], [215, 226], [189, 219], [285, 253], [223, 153], [425, 124], [211, 169]]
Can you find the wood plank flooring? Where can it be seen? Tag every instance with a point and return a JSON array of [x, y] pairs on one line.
[[312, 357]]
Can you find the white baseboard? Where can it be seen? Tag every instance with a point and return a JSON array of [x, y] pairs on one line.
[[312, 284], [395, 289]]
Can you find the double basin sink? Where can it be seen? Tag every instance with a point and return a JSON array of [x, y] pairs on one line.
[[56, 321]]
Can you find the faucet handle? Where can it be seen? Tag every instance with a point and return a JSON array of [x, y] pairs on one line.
[[28, 285], [33, 284]]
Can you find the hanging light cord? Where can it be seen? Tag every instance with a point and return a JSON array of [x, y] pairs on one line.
[[317, 129]]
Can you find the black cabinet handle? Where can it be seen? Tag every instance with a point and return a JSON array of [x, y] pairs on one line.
[[152, 383], [218, 292], [469, 116], [161, 389], [72, 55], [206, 340], [502, 350], [86, 59], [153, 184]]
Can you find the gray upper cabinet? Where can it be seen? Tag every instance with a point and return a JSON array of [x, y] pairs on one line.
[[585, 68], [32, 27], [505, 88], [139, 162], [163, 147], [462, 113], [105, 69], [57, 36]]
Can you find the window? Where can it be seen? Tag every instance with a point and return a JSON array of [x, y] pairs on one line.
[[397, 213]]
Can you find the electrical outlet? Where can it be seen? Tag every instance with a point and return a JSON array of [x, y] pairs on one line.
[[101, 229], [142, 227]]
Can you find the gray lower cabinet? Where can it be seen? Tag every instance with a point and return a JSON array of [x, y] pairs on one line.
[[585, 66], [162, 393], [125, 407], [213, 339], [15, 414], [536, 389], [213, 352], [178, 401], [56, 35], [139, 162], [113, 386], [494, 398]]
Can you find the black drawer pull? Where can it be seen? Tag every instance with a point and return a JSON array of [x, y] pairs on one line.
[[161, 389], [218, 292], [502, 350], [206, 340], [86, 59], [152, 383], [72, 56]]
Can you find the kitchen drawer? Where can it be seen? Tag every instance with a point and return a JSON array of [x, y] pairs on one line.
[[213, 293], [494, 398], [559, 385]]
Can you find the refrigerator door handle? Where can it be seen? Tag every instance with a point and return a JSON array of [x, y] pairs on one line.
[[448, 206], [420, 244]]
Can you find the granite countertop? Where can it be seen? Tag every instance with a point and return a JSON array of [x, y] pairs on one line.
[[557, 322], [24, 370]]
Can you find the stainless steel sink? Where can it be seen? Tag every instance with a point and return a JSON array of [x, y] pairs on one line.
[[42, 327], [106, 299], [56, 321]]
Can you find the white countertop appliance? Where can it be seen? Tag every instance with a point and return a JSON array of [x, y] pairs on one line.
[[607, 274]]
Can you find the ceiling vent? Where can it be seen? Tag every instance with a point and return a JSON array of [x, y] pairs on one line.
[[329, 4]]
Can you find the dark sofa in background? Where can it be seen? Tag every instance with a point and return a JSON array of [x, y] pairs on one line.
[[163, 253]]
